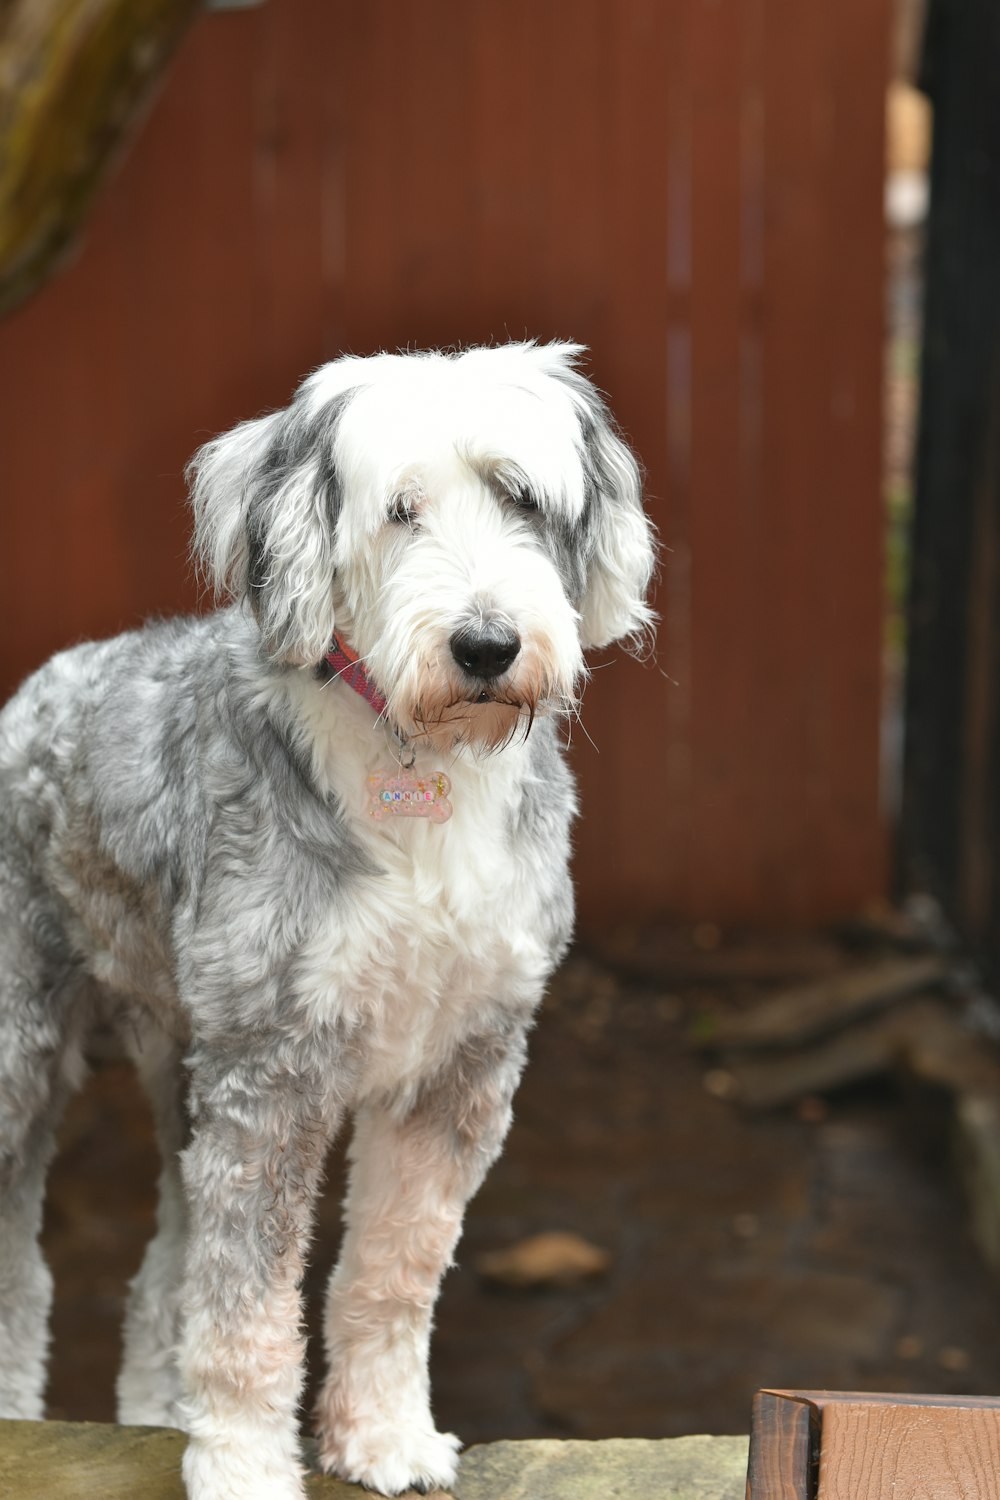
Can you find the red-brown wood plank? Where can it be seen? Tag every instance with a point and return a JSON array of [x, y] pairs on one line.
[[850, 526], [624, 779], [794, 432], [724, 526]]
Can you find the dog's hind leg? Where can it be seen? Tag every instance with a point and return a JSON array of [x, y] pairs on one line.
[[40, 1063], [413, 1169], [149, 1381]]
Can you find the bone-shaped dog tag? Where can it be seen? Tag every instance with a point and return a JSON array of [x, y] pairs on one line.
[[401, 794]]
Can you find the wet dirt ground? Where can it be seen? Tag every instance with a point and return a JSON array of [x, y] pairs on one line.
[[820, 1247]]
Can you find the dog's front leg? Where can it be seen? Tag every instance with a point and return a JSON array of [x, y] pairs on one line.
[[251, 1173], [413, 1169]]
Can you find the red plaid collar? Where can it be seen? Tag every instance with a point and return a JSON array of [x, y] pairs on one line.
[[349, 669]]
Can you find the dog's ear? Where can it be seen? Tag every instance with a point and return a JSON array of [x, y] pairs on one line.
[[621, 541], [267, 497]]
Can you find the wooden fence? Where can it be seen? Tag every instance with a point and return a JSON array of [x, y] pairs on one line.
[[691, 187]]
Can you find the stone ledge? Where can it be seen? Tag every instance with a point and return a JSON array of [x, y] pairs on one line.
[[85, 1460], [685, 1468]]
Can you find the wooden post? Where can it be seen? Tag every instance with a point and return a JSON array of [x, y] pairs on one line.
[[848, 1445]]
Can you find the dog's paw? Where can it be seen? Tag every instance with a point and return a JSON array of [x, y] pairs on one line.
[[390, 1458], [216, 1470]]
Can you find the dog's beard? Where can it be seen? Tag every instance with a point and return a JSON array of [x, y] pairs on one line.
[[447, 711], [484, 726]]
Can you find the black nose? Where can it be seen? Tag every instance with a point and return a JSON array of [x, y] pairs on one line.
[[485, 650]]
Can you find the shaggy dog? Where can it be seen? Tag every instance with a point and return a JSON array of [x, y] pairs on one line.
[[305, 854]]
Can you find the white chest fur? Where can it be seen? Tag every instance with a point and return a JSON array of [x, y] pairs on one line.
[[445, 931]]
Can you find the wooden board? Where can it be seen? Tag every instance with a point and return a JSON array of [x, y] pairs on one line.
[[843, 1445]]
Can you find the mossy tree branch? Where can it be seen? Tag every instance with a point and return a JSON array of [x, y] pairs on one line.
[[74, 77]]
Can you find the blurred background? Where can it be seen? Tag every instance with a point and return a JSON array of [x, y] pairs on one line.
[[749, 1078]]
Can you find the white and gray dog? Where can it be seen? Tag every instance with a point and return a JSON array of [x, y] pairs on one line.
[[304, 853]]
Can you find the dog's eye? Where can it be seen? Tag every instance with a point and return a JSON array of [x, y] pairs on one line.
[[401, 511], [524, 499]]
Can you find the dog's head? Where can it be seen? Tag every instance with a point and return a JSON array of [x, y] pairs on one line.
[[468, 523]]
